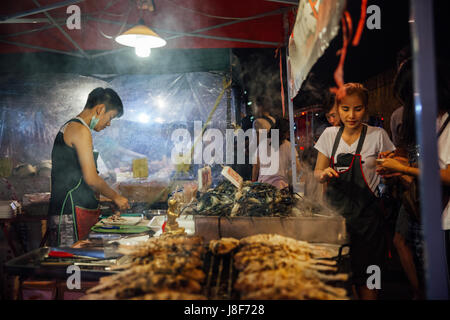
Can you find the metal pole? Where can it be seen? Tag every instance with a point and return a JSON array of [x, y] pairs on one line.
[[291, 128], [426, 113], [41, 48]]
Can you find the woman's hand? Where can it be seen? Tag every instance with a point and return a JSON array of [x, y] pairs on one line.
[[121, 202], [386, 154], [391, 165], [328, 174]]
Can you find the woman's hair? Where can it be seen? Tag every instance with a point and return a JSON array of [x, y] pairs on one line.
[[283, 126], [404, 92], [105, 96], [353, 88]]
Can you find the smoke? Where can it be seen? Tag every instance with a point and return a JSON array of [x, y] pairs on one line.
[[261, 77], [314, 201], [313, 92]]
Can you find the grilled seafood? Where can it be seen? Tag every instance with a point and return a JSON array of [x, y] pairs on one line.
[[254, 199], [276, 267], [170, 295], [223, 246], [161, 268]]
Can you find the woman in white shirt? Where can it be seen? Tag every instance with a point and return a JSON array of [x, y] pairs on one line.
[[347, 163], [282, 178]]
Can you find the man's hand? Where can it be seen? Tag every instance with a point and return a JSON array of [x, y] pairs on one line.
[[121, 202]]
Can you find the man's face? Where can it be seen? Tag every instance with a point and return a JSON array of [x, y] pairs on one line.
[[333, 117], [104, 117]]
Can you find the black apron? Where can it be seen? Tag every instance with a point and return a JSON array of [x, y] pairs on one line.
[[74, 206], [352, 197]]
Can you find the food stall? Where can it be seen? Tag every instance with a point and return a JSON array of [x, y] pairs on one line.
[[194, 230], [213, 225]]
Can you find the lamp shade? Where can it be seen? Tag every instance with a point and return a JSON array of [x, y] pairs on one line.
[[141, 35]]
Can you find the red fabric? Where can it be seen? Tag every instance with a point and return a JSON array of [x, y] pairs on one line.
[[361, 23], [339, 73], [169, 15], [86, 218]]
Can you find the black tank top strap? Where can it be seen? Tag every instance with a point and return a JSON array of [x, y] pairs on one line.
[[336, 141], [362, 137]]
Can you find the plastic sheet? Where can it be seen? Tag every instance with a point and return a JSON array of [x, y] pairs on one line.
[[317, 23], [34, 107]]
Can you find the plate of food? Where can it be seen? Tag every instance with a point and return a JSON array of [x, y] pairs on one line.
[[117, 220]]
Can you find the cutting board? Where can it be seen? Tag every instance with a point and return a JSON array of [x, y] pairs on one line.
[[122, 229]]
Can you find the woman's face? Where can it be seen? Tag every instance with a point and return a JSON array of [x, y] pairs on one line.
[[351, 111]]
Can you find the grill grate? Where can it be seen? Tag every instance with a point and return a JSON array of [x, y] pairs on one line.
[[221, 275]]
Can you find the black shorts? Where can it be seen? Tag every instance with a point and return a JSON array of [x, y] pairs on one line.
[[365, 253]]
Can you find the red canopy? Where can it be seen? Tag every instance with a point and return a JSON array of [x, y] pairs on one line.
[[183, 23]]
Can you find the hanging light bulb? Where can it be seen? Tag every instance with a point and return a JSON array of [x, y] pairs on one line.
[[142, 38], [142, 49]]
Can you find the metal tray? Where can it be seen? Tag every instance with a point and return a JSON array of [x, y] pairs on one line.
[[29, 265], [312, 229]]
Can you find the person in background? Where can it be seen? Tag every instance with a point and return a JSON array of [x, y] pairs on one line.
[[244, 169], [332, 113], [408, 168], [263, 121], [346, 161], [404, 240], [74, 206], [396, 125], [283, 178]]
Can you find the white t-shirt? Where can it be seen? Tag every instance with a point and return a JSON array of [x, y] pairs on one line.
[[444, 160], [281, 178], [376, 141]]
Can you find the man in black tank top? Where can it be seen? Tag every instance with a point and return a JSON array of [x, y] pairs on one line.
[[75, 181]]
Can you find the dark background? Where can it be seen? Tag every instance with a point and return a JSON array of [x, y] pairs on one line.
[[376, 52]]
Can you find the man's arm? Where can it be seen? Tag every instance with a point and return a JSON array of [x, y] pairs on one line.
[[80, 138]]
